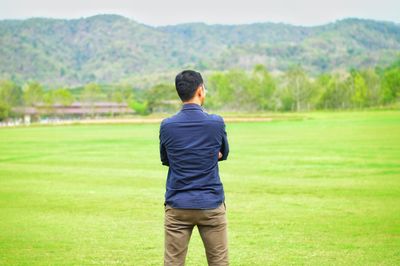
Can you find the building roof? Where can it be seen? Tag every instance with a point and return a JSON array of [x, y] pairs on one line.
[[76, 108]]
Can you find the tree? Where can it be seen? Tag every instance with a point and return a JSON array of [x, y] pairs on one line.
[[372, 81], [117, 96], [63, 96], [10, 96], [298, 88], [162, 97], [390, 86], [140, 108], [10, 93], [261, 88], [33, 93], [91, 94], [4, 111], [360, 91], [220, 90], [58, 96], [122, 93], [332, 92]]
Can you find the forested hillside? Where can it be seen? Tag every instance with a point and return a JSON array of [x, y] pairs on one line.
[[111, 48]]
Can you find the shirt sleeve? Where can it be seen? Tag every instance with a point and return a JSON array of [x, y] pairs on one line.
[[163, 151], [224, 146]]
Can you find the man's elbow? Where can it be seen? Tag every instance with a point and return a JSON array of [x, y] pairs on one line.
[[224, 157]]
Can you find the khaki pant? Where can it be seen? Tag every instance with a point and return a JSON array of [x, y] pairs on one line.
[[212, 226]]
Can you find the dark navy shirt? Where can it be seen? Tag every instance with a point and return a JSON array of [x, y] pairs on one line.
[[190, 141]]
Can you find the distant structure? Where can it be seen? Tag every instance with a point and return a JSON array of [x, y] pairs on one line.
[[75, 110]]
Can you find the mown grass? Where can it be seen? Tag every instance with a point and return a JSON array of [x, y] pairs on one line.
[[321, 190]]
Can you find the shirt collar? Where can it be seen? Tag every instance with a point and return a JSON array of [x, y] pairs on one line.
[[192, 106]]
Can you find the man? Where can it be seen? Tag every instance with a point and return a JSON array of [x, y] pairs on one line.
[[191, 144]]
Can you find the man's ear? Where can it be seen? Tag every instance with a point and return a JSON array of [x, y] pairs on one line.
[[198, 92]]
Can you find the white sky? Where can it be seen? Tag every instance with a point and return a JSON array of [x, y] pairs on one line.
[[166, 12]]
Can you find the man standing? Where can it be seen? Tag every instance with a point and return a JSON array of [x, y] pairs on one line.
[[191, 144]]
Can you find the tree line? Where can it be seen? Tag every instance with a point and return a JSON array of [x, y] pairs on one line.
[[294, 90], [233, 90]]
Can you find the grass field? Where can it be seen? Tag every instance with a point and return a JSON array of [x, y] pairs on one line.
[[324, 190]]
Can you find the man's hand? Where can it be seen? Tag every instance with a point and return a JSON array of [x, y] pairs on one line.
[[219, 155]]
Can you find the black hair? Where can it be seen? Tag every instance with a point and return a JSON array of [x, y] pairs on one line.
[[186, 84]]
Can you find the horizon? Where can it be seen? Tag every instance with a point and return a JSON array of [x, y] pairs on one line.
[[155, 13], [200, 22]]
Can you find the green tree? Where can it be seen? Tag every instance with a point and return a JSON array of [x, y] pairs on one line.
[[298, 88], [140, 108], [372, 81], [60, 96], [217, 87], [286, 99], [90, 95], [161, 97], [4, 111], [261, 88], [117, 96], [122, 93], [241, 97], [10, 93], [63, 96], [390, 86], [33, 93], [10, 96], [332, 92], [360, 91]]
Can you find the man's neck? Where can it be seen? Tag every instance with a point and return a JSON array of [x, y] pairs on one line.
[[193, 102]]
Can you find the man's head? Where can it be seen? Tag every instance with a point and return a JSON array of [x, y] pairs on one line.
[[190, 87]]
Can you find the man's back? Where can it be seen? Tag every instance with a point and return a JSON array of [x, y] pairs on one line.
[[190, 142]]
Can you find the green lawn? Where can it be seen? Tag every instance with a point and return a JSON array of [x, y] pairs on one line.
[[319, 191]]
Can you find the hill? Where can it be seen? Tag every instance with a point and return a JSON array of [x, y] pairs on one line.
[[110, 48]]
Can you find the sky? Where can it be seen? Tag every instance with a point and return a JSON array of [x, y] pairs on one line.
[[170, 12]]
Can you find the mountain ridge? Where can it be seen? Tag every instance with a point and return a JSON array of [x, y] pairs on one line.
[[109, 48]]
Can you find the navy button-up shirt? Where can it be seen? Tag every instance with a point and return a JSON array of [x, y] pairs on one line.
[[190, 142]]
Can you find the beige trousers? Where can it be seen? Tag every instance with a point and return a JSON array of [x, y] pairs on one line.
[[212, 226]]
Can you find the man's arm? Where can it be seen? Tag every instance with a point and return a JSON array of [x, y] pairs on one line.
[[224, 146], [163, 151]]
